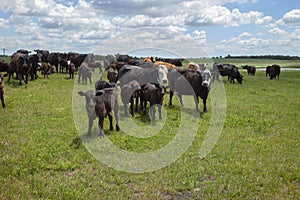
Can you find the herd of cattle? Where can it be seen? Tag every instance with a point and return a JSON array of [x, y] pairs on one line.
[[144, 80]]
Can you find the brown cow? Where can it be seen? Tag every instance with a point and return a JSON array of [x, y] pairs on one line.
[[2, 89], [275, 71], [4, 66], [20, 64], [112, 75], [46, 69], [250, 69], [71, 68]]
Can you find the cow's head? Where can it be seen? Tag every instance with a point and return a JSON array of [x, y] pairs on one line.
[[89, 100], [206, 78], [24, 61], [239, 78], [163, 75]]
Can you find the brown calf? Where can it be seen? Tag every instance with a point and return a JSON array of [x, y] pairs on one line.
[[2, 89]]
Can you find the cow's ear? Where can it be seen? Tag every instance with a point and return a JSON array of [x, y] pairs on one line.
[[81, 93]]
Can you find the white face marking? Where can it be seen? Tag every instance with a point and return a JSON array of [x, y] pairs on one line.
[[206, 78], [162, 75]]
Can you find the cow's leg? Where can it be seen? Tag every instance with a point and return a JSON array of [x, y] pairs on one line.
[[131, 106], [110, 117], [196, 100], [171, 96], [159, 112], [91, 121], [180, 100], [79, 77], [204, 105], [136, 103], [100, 124], [2, 101], [20, 79], [9, 76], [116, 115], [26, 79], [90, 80], [142, 100], [126, 109], [152, 112], [144, 106]]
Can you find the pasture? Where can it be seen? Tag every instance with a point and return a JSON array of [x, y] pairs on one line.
[[44, 154]]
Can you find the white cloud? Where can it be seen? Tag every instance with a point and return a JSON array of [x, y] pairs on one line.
[[277, 31], [291, 18]]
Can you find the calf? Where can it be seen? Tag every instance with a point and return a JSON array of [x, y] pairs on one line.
[[129, 92], [106, 103], [153, 93], [71, 68], [250, 69], [90, 108], [85, 73], [46, 69], [35, 61], [2, 89], [63, 64]]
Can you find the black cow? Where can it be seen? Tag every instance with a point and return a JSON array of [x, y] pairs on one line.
[[227, 70], [76, 58], [53, 59], [23, 51], [153, 93], [268, 71], [107, 93], [129, 92], [43, 53], [20, 64], [35, 61], [191, 82], [275, 71], [2, 85], [250, 69], [63, 64]]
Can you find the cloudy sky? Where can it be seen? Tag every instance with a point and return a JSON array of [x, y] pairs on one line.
[[152, 27]]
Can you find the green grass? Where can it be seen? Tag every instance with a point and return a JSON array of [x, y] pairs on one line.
[[254, 62], [256, 157]]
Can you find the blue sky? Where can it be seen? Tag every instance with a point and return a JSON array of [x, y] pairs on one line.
[[182, 28]]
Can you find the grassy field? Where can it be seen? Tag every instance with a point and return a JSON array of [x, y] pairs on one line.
[[44, 153]]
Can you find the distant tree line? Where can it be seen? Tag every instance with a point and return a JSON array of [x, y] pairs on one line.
[[277, 57]]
